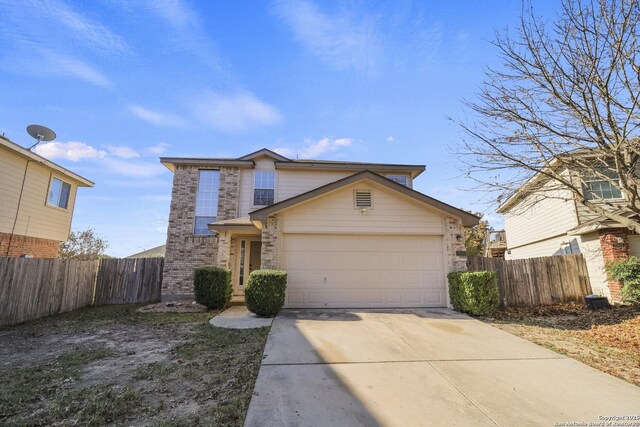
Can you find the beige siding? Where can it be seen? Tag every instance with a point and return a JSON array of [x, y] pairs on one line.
[[35, 219], [546, 219], [558, 245], [294, 182], [634, 245], [289, 183], [335, 213], [590, 248]]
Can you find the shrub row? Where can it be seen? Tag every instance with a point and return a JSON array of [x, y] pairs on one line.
[[474, 292], [264, 292]]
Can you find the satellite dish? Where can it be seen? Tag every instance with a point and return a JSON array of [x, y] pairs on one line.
[[40, 133]]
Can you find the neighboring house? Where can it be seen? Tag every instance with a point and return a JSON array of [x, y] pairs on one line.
[[542, 219], [495, 244], [157, 252], [348, 234], [37, 198]]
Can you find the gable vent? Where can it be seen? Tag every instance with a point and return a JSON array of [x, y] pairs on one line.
[[363, 199]]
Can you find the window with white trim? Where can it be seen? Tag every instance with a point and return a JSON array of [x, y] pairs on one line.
[[59, 192], [596, 187], [400, 179], [264, 188], [206, 200]]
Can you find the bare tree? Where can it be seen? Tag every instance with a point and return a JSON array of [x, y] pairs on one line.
[[83, 245], [562, 111]]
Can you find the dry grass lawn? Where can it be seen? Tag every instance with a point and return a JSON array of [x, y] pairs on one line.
[[115, 365], [608, 340]]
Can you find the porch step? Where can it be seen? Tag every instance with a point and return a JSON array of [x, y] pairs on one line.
[[237, 300]]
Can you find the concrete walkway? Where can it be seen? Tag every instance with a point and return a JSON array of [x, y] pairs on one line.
[[238, 317], [421, 367]]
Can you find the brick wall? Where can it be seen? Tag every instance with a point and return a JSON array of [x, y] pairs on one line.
[[614, 244], [186, 251], [453, 231], [270, 255], [25, 245]]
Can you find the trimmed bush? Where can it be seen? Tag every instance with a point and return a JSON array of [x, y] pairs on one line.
[[212, 286], [264, 293], [627, 272], [474, 292]]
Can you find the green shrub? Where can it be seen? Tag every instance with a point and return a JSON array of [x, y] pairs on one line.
[[264, 293], [627, 272], [212, 286], [474, 292]]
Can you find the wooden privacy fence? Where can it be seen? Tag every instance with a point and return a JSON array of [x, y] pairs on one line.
[[537, 281], [128, 281], [31, 288]]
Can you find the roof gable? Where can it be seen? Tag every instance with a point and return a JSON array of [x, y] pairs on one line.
[[264, 152], [33, 157], [467, 218]]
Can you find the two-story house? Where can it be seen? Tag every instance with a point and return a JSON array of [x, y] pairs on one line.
[[37, 198], [349, 234], [543, 218]]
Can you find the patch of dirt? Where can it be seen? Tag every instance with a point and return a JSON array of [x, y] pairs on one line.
[[608, 340], [174, 307], [179, 369]]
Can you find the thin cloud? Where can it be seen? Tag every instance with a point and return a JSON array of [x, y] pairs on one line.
[[235, 112], [116, 160], [123, 152], [342, 40], [72, 150], [390, 138], [188, 34], [159, 148], [55, 24], [312, 149], [427, 41], [95, 35], [157, 118], [68, 66], [134, 169]]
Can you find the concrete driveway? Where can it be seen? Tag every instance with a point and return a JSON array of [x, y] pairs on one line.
[[421, 367]]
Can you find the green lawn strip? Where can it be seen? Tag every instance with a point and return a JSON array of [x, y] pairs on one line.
[[126, 314], [90, 406], [28, 386]]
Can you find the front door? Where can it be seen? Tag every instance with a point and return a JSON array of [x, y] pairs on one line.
[[248, 260]]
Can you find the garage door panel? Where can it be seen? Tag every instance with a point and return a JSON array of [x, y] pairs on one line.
[[364, 271]]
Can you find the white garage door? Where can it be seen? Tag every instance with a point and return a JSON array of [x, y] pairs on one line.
[[345, 271]]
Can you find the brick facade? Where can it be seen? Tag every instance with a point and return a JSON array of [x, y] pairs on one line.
[[614, 244], [25, 245], [186, 251], [271, 236], [454, 239]]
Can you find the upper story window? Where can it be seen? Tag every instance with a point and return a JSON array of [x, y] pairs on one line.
[[206, 200], [264, 188], [400, 179], [59, 192], [597, 188]]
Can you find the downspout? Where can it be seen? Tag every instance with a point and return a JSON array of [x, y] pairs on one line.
[[15, 220]]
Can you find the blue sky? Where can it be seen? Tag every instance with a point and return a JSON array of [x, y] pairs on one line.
[[124, 82]]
